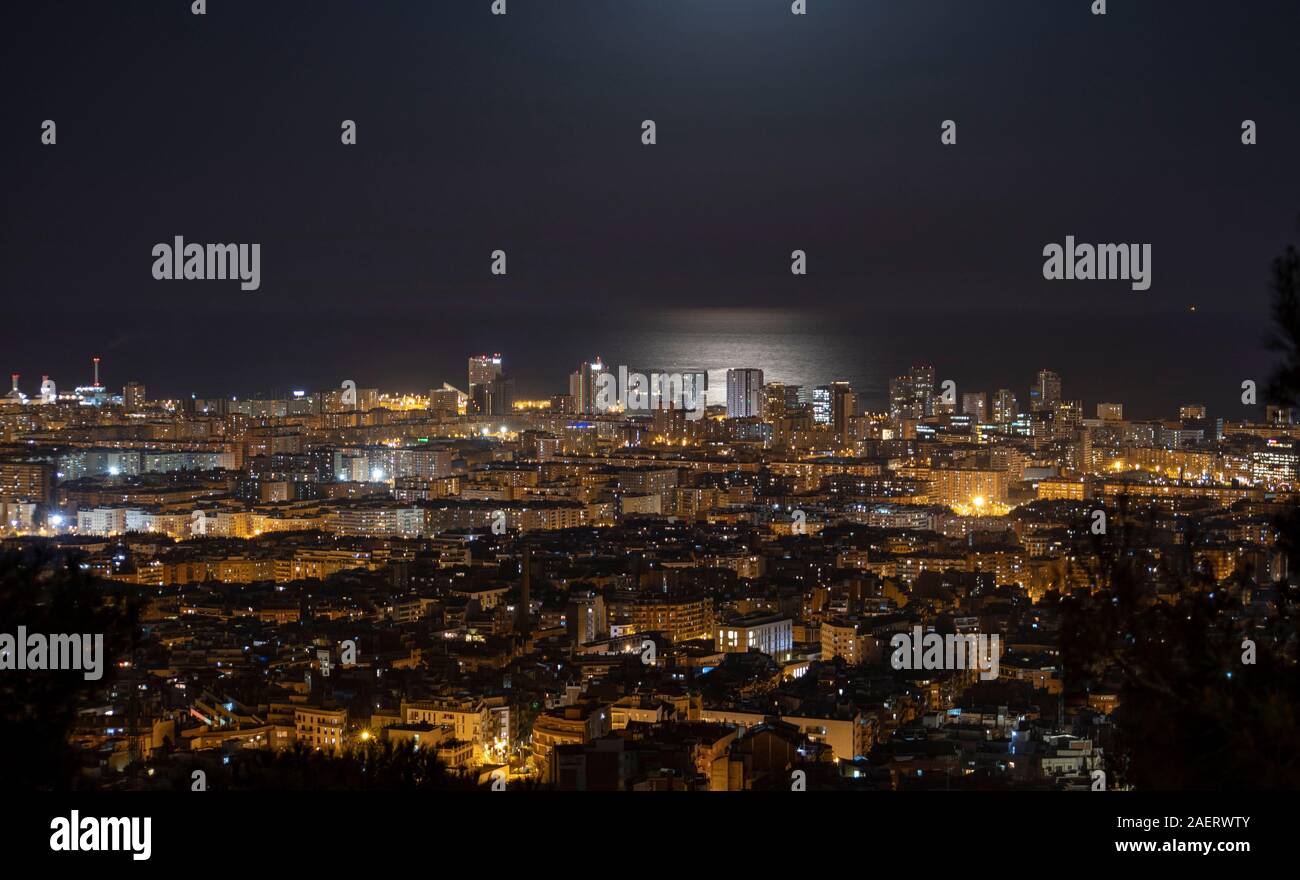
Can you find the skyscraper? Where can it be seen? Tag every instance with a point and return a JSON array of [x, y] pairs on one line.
[[911, 396], [1005, 406], [483, 368], [585, 617], [975, 404], [495, 398], [446, 401], [134, 397], [744, 393], [483, 371], [843, 406], [779, 400], [1046, 393], [821, 404], [833, 404], [582, 386]]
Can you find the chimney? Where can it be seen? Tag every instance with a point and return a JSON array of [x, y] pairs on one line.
[[96, 372]]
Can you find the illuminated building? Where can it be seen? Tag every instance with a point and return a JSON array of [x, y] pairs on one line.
[[848, 737], [523, 516], [1176, 435], [421, 735], [320, 729], [446, 401], [744, 393], [1110, 412], [470, 719], [1005, 407], [1046, 392], [218, 523], [844, 405], [320, 564], [676, 619], [490, 393], [582, 386], [1172, 493], [779, 400], [102, 521], [483, 369], [377, 519], [581, 439], [657, 481], [771, 634], [1275, 465], [585, 618], [1006, 564], [567, 725], [1279, 415], [821, 405], [93, 394], [1174, 463], [975, 486], [847, 638], [15, 396], [26, 481], [641, 505], [134, 397], [975, 405], [911, 396], [1062, 489], [495, 398], [1067, 417]]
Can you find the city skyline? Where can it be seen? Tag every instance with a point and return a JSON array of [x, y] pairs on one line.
[[828, 533], [422, 399], [853, 167], [877, 400]]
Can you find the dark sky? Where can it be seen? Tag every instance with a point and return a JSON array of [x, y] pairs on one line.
[[522, 132]]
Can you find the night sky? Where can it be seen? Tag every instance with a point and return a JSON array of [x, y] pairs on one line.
[[522, 132]]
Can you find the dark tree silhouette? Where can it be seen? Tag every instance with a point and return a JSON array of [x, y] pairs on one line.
[[38, 708], [372, 766], [1284, 385], [1192, 714]]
